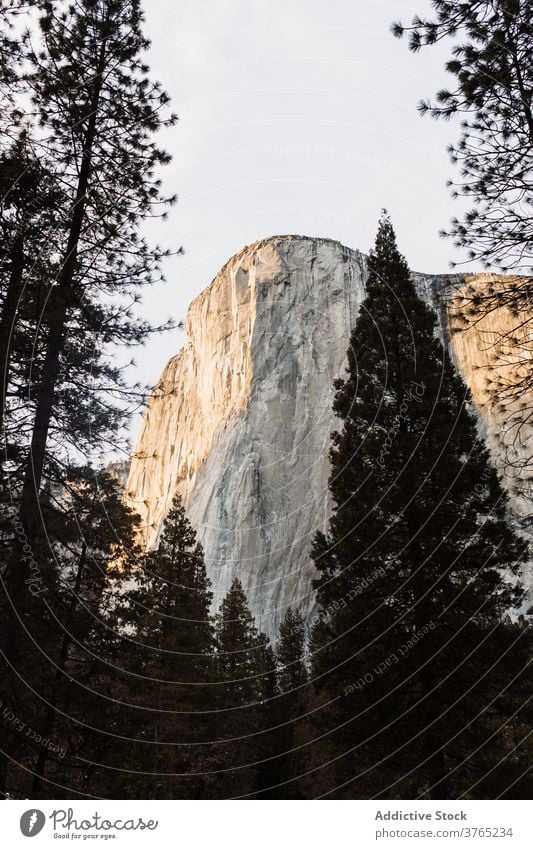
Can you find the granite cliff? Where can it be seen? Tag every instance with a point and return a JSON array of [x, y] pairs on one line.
[[240, 421]]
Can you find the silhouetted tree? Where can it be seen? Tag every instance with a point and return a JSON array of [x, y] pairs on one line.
[[290, 652], [165, 649], [492, 96], [493, 70], [90, 550], [246, 674], [411, 654], [97, 112]]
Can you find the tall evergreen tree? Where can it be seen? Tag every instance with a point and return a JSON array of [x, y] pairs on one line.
[[165, 649], [290, 707], [493, 73], [31, 198], [247, 685], [411, 652], [97, 111], [290, 652], [492, 94], [91, 550]]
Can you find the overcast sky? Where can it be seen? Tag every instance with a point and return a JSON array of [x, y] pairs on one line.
[[295, 116]]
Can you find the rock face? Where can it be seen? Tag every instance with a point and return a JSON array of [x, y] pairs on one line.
[[240, 421]]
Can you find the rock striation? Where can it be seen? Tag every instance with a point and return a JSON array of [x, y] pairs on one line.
[[239, 424]]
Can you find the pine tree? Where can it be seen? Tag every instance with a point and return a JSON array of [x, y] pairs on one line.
[[410, 655], [90, 550], [246, 675], [31, 200], [12, 53], [290, 652], [97, 113], [166, 649], [494, 78], [290, 707], [77, 185], [493, 72]]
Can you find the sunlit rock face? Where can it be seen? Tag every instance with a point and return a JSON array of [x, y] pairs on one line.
[[239, 424], [493, 352]]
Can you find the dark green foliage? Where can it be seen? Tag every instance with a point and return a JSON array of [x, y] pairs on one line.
[[164, 646], [78, 185], [97, 112], [89, 548], [410, 655], [493, 69], [290, 707], [31, 200], [246, 673], [290, 652], [492, 65], [12, 53]]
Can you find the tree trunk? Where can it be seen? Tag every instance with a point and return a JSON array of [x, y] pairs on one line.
[[49, 721], [7, 320], [17, 569]]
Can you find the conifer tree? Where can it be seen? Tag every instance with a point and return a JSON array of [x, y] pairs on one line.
[[12, 52], [411, 652], [31, 198], [289, 708], [290, 652], [247, 684], [492, 70], [91, 550], [493, 77], [97, 111], [166, 649]]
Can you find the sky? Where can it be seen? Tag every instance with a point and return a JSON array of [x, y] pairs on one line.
[[295, 116]]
